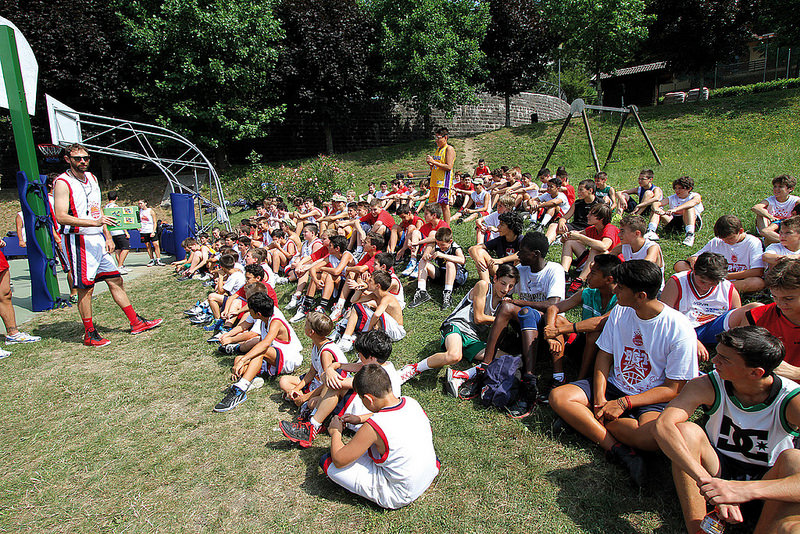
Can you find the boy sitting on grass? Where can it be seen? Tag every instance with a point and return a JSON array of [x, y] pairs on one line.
[[639, 200], [683, 210], [229, 281], [551, 205], [443, 262], [390, 460], [245, 330], [578, 212], [487, 227], [465, 331], [401, 231], [772, 210], [789, 245], [705, 297], [387, 314], [647, 352], [604, 192], [424, 236], [598, 238], [277, 351], [336, 394], [634, 246], [743, 252], [302, 389], [596, 301], [504, 247]]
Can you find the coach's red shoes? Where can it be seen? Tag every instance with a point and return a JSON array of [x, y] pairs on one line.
[[93, 339], [143, 325]]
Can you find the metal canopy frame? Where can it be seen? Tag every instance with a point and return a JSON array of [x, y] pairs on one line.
[[142, 142], [579, 106]]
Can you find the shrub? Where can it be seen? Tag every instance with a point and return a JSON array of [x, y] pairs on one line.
[[761, 87], [317, 178]]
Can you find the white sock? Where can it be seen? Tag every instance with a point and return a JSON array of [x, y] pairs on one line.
[[448, 287], [689, 228], [559, 377], [315, 423], [340, 303], [652, 227], [423, 365], [546, 219], [351, 337], [242, 384], [422, 285]]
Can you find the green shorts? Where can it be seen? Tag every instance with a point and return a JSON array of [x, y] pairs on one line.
[[470, 346]]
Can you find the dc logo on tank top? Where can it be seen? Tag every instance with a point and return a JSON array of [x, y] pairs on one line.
[[743, 440]]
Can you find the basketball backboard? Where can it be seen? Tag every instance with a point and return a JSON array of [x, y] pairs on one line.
[[65, 128], [29, 67]]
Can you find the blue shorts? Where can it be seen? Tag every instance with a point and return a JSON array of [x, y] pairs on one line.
[[612, 392], [707, 333], [529, 319]]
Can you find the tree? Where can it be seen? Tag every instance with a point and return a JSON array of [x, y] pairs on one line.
[[518, 45], [776, 17], [205, 68], [603, 34], [327, 63], [693, 35], [431, 51], [79, 47]]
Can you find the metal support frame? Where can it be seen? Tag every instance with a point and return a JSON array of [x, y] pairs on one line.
[[579, 106], [143, 142]]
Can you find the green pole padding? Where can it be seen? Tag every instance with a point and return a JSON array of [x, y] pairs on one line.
[[26, 151]]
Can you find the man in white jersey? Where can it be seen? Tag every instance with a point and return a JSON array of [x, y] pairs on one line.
[[647, 352], [390, 460], [746, 453], [88, 244]]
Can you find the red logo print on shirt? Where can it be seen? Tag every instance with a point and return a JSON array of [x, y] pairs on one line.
[[635, 366], [734, 259], [637, 339]]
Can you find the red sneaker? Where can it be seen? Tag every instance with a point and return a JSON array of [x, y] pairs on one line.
[[143, 325], [93, 339]]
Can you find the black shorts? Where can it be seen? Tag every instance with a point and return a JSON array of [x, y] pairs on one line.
[[121, 242], [147, 238], [677, 226], [572, 227], [612, 392], [632, 206]]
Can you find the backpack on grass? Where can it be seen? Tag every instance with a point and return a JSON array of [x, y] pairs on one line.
[[501, 381]]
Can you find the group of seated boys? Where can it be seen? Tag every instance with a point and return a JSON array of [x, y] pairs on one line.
[[640, 342]]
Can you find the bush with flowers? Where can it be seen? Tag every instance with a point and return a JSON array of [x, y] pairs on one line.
[[317, 179]]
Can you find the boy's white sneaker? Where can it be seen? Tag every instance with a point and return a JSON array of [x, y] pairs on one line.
[[453, 381], [4, 354], [21, 337], [336, 312], [297, 317], [689, 240], [292, 303], [346, 343], [651, 235], [408, 372]]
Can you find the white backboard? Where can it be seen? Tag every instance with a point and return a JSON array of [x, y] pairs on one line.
[[30, 70], [64, 126]]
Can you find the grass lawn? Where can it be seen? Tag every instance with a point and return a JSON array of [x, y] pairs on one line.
[[122, 438]]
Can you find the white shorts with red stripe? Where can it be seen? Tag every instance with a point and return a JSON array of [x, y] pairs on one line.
[[89, 261], [287, 361], [395, 330]]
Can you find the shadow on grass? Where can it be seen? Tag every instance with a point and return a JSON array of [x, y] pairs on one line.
[[71, 331], [599, 497]]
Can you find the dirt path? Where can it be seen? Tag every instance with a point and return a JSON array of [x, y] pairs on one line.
[[469, 157]]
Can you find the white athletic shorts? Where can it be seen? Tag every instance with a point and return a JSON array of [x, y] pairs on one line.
[[89, 261], [394, 330]]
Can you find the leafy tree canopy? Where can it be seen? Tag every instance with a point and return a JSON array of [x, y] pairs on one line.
[[431, 50], [206, 67]]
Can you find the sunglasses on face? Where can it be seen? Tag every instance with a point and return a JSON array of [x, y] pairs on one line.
[[80, 158]]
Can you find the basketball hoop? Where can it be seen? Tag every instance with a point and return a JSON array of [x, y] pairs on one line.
[[50, 152]]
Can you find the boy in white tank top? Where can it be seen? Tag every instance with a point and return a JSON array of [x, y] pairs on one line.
[[705, 297], [745, 452], [390, 460]]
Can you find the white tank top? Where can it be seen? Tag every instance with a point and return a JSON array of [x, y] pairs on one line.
[[148, 222], [701, 309], [294, 341], [400, 294], [641, 254], [84, 202], [754, 434], [409, 464], [316, 356]]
